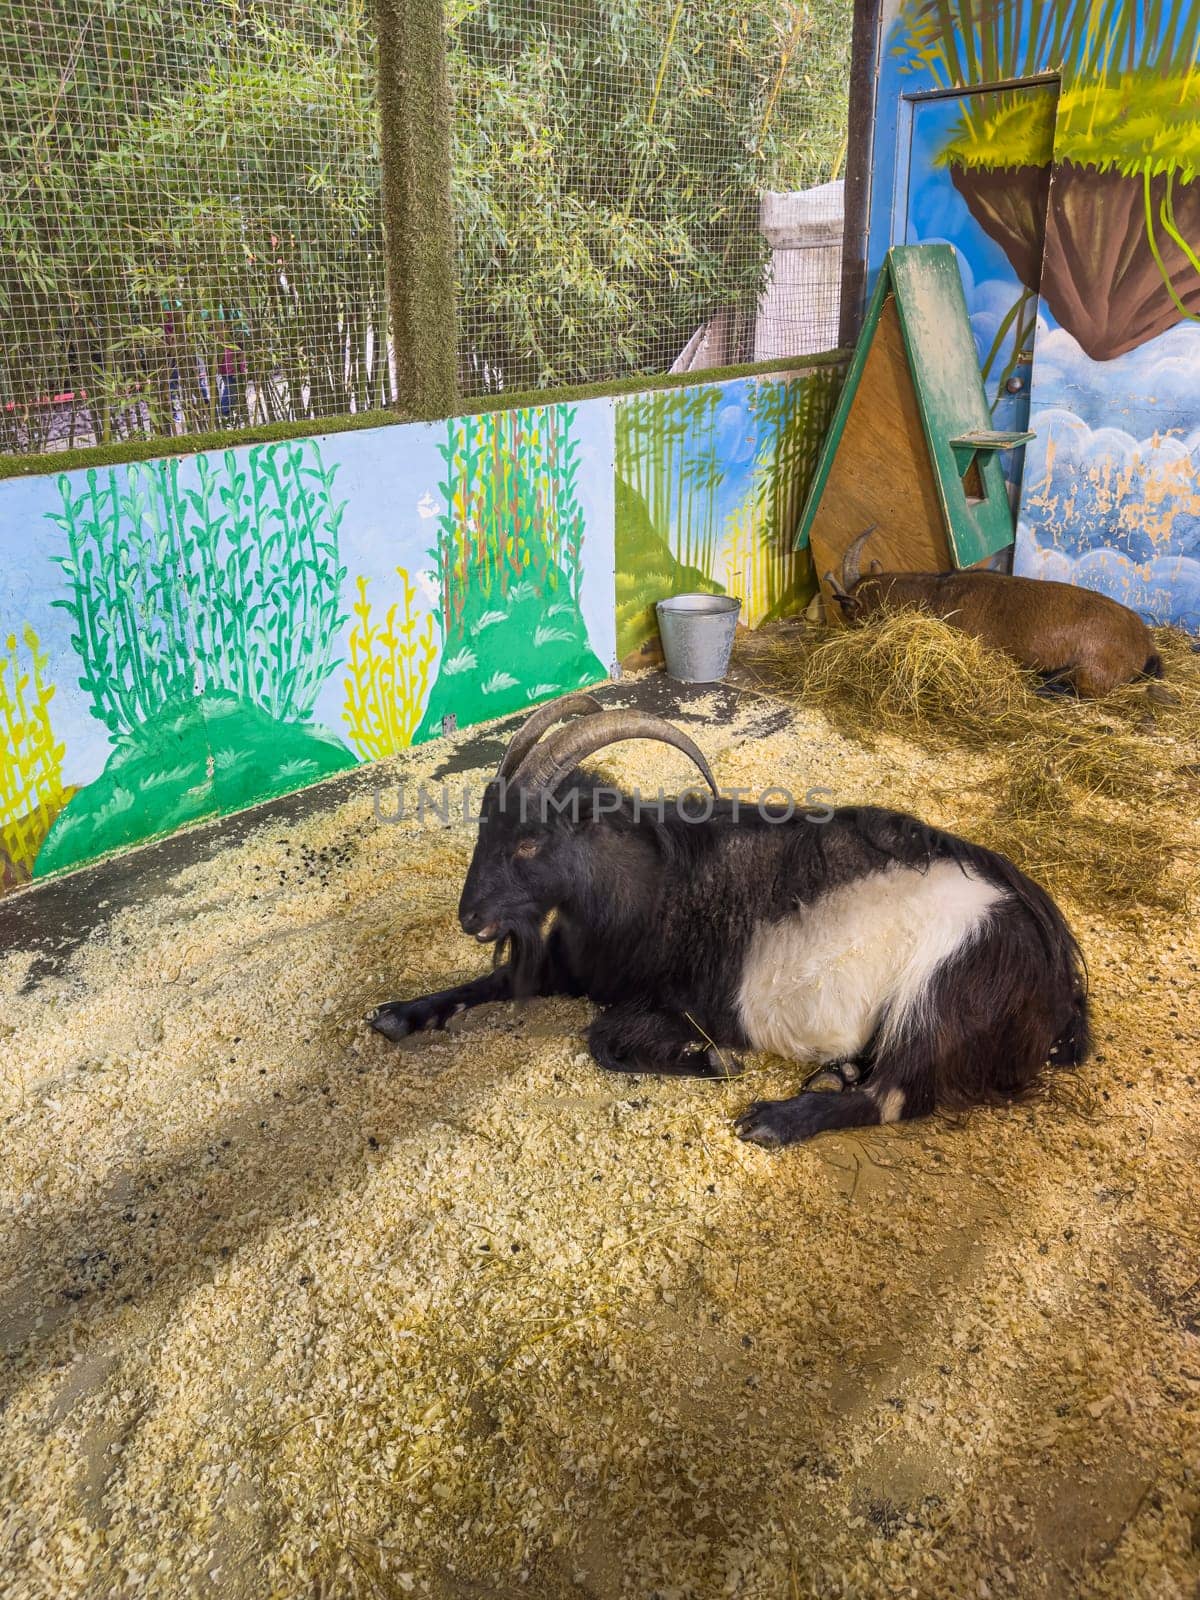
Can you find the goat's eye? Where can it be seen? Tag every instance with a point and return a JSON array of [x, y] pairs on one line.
[[526, 849]]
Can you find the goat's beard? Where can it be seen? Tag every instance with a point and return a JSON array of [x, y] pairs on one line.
[[524, 948]]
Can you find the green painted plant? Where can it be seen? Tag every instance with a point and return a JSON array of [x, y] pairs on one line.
[[205, 599], [1126, 143], [509, 565], [1097, 43], [1131, 73], [195, 761], [225, 580], [125, 599], [512, 511], [646, 571]]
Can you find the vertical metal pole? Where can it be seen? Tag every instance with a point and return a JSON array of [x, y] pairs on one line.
[[418, 222], [864, 84]]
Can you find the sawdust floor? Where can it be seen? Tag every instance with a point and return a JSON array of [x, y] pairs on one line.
[[288, 1311]]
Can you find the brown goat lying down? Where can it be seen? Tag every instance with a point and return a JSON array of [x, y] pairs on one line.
[[1074, 638]]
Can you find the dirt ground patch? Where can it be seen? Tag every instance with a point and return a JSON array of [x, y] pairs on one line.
[[288, 1311]]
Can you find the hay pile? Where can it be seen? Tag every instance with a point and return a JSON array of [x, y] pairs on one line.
[[1097, 799], [288, 1313]]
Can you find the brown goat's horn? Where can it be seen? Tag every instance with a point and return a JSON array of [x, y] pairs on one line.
[[532, 729], [852, 560], [555, 757]]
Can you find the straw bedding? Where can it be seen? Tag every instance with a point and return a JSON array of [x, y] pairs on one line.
[[289, 1311]]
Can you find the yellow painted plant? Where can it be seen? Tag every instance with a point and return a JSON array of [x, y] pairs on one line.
[[746, 561], [759, 563], [31, 788], [388, 679]]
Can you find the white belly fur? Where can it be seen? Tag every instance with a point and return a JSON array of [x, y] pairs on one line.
[[815, 985]]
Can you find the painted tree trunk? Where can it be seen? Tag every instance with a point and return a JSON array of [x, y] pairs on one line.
[[1114, 275]]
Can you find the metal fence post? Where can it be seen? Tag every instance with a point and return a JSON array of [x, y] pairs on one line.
[[414, 124], [864, 85]]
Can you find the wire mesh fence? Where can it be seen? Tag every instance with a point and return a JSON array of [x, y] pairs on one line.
[[190, 218], [190, 230], [608, 166]]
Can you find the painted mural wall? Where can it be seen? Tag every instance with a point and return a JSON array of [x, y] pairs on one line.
[[182, 638], [710, 483], [185, 637], [1076, 215]]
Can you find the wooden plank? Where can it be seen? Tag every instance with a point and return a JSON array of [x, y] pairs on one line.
[[991, 439], [833, 438], [881, 471], [945, 367]]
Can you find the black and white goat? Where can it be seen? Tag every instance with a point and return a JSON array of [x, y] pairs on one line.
[[923, 970]]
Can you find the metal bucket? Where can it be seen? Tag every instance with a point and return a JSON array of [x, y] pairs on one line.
[[697, 635]]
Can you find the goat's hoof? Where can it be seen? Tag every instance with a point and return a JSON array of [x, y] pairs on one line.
[[761, 1124], [1161, 695], [775, 1123], [699, 1060], [399, 1018], [834, 1077], [722, 1064]]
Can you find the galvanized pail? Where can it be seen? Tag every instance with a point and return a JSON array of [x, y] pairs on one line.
[[697, 635]]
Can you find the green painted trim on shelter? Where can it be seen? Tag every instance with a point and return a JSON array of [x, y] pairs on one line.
[[153, 449], [943, 360]]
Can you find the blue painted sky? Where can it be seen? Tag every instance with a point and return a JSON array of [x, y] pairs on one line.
[[739, 438]]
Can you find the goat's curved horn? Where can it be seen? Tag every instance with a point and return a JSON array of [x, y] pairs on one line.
[[532, 729], [555, 756], [852, 560]]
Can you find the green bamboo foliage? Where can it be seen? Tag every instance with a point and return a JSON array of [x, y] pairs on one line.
[[666, 452], [608, 159], [180, 176], [225, 578]]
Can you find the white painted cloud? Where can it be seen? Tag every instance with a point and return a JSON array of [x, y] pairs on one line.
[[1153, 388], [1164, 589], [1114, 512]]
